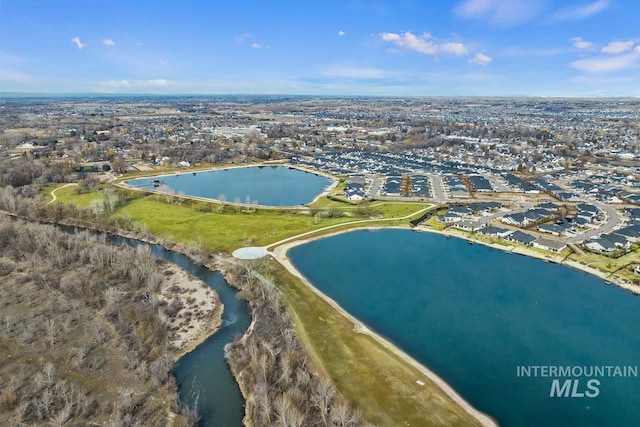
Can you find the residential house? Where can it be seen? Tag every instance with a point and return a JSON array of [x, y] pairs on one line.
[[469, 225], [555, 229], [600, 244], [520, 237], [549, 245], [495, 231]]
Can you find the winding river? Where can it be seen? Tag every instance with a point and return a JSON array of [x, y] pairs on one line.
[[204, 379]]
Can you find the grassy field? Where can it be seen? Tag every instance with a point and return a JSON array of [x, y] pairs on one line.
[[77, 196], [220, 231], [189, 221], [367, 373]]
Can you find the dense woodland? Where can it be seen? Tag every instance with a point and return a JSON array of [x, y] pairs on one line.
[[82, 338]]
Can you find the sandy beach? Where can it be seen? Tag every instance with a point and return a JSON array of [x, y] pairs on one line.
[[280, 254], [200, 314]]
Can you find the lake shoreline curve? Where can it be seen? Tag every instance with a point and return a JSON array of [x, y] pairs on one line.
[[279, 253]]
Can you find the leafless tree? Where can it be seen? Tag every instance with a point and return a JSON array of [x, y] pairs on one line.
[[52, 331], [49, 372], [61, 417], [223, 200], [77, 355], [322, 398]]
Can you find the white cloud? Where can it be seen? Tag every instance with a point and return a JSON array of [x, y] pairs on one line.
[[499, 12], [78, 43], [578, 43], [115, 84], [582, 12], [423, 44], [341, 33], [519, 51], [457, 49], [14, 76], [153, 83], [245, 37], [353, 72], [618, 47], [606, 64], [135, 84], [480, 59], [108, 42], [242, 37]]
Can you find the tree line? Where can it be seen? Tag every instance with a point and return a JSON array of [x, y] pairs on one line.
[[281, 385]]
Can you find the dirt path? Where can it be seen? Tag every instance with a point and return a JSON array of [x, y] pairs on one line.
[[53, 192]]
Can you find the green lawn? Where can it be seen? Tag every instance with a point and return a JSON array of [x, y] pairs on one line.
[[220, 231], [398, 209], [324, 202], [73, 194], [191, 221]]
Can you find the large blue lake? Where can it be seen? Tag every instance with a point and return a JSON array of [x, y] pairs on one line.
[[474, 314], [264, 185]]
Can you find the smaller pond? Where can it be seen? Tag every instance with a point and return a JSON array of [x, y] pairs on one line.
[[264, 185]]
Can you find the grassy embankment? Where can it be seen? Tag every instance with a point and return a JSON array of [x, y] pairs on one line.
[[366, 372], [369, 374]]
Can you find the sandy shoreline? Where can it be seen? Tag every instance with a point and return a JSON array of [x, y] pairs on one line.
[[280, 254], [200, 315]]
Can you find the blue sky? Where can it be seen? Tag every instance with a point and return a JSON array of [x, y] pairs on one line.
[[349, 47]]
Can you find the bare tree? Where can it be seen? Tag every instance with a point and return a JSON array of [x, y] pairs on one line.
[[322, 398], [52, 331], [49, 372], [77, 355], [223, 199]]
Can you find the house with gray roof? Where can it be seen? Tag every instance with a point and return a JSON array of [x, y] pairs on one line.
[[549, 245], [495, 231], [600, 245], [554, 229], [631, 232], [520, 237]]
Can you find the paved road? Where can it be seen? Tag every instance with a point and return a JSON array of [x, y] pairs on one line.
[[376, 185], [438, 188], [613, 221]]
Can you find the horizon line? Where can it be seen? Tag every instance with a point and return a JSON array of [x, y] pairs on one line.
[[19, 94]]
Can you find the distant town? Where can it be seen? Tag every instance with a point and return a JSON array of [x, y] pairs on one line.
[[558, 175]]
